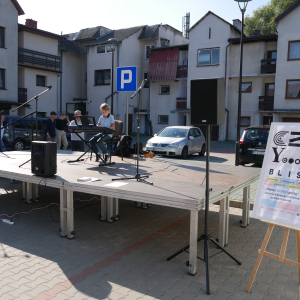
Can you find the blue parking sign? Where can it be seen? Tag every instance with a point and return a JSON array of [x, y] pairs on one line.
[[126, 79]]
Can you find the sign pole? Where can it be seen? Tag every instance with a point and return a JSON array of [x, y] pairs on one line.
[[127, 113]]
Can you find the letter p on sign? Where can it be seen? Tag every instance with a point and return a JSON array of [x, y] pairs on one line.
[[126, 79], [123, 80]]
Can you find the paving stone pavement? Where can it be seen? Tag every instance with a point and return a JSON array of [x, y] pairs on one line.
[[127, 259]]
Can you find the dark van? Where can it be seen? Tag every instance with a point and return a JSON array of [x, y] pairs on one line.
[[23, 132], [253, 144]]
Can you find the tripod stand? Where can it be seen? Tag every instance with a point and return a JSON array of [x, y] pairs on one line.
[[138, 176], [206, 237]]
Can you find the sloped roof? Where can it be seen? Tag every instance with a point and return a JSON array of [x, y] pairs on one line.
[[149, 32], [119, 34], [210, 12], [250, 39], [88, 33], [289, 10], [70, 46], [18, 7]]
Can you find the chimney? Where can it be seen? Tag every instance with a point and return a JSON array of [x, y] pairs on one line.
[[31, 23], [257, 32], [237, 24]]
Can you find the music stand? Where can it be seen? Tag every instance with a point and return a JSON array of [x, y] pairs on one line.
[[138, 176], [86, 121]]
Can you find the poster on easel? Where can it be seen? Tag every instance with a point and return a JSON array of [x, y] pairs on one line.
[[278, 194]]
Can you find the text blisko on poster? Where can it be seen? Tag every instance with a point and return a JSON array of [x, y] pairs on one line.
[[278, 195]]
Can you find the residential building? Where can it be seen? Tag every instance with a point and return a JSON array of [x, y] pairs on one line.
[[39, 67], [9, 12], [134, 49]]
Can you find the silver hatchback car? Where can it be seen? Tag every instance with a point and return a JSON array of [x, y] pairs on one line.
[[178, 141]]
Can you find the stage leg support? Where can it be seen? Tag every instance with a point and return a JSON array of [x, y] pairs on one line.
[[246, 206], [70, 214], [109, 209], [193, 242], [103, 208], [35, 192], [223, 221], [63, 212], [27, 192], [115, 209]]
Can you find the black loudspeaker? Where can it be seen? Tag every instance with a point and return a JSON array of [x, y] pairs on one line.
[[207, 101], [43, 158]]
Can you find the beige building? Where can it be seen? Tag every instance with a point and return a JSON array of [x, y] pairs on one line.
[[9, 12]]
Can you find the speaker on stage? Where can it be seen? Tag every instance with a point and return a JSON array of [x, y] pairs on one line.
[[207, 98], [43, 158]]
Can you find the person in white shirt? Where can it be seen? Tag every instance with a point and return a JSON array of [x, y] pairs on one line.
[[76, 143], [106, 120]]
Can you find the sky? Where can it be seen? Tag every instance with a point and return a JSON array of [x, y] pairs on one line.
[[69, 16]]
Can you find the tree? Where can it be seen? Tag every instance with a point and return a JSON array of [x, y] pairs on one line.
[[264, 17]]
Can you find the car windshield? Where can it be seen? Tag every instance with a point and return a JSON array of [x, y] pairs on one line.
[[255, 134], [173, 132]]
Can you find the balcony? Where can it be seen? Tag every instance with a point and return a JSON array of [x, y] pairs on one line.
[[181, 103], [266, 103], [182, 71], [22, 95], [38, 59], [268, 66]]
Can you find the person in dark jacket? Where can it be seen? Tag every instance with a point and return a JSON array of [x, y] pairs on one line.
[[50, 127]]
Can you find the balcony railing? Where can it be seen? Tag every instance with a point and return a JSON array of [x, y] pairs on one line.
[[22, 95], [34, 58], [182, 71], [268, 66], [266, 103], [181, 103]]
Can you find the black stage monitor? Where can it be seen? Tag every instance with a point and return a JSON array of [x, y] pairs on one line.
[[207, 98], [43, 158], [87, 121]]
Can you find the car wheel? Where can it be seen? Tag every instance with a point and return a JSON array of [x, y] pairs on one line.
[[19, 146], [202, 152], [185, 152]]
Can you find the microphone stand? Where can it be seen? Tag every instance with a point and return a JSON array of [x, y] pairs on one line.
[[36, 98], [138, 176]]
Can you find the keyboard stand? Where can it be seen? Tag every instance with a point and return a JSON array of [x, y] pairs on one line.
[[104, 163]]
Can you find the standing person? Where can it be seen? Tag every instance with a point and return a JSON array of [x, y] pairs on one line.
[[106, 120], [3, 148], [61, 124], [76, 143], [50, 127]]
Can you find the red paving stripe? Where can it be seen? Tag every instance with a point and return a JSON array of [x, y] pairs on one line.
[[63, 286]]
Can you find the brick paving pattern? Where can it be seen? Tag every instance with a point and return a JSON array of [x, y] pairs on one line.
[[127, 259]]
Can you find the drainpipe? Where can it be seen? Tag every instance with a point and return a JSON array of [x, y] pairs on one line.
[[61, 63], [226, 93]]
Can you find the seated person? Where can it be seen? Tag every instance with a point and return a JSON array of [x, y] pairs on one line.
[[106, 120]]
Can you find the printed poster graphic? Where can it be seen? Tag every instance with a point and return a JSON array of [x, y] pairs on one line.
[[278, 195]]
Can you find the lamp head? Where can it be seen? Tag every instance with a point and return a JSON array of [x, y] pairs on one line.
[[112, 43]]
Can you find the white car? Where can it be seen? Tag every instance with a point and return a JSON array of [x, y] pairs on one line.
[[178, 141]]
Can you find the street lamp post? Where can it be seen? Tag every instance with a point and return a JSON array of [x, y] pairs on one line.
[[112, 43], [238, 127]]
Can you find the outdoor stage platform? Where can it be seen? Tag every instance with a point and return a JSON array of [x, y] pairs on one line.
[[174, 184]]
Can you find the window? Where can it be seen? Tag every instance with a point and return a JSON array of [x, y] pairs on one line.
[[2, 37], [102, 77], [272, 55], [40, 80], [246, 87], [292, 89], [245, 121], [100, 49], [164, 42], [2, 79], [164, 90], [294, 50], [148, 51], [163, 119], [270, 89], [208, 57]]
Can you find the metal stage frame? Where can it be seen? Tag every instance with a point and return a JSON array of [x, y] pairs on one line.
[[183, 191]]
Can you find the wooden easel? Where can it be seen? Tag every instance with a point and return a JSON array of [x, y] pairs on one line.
[[262, 252]]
